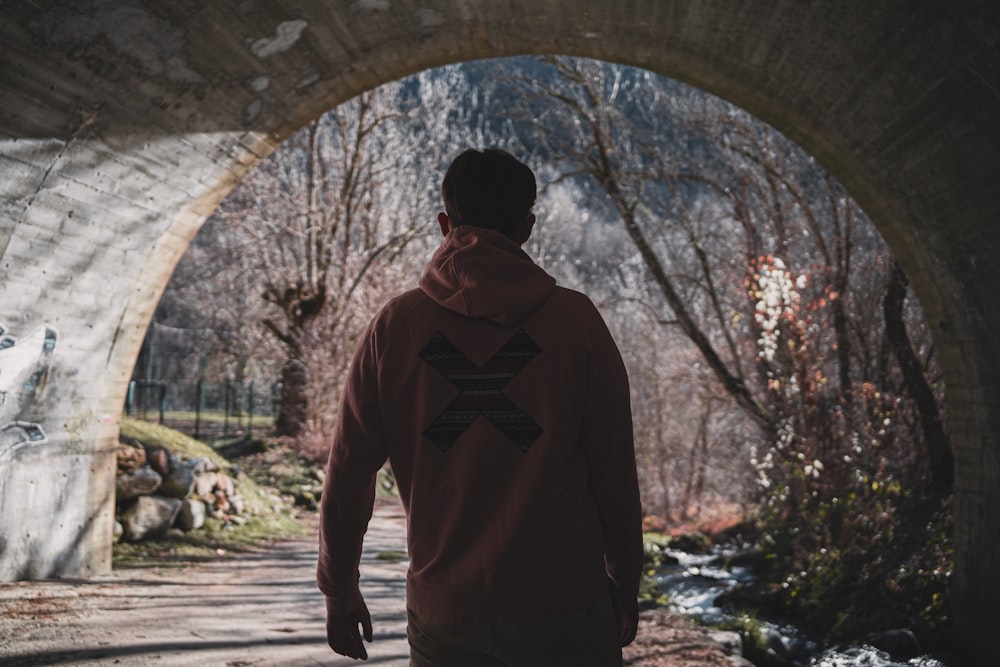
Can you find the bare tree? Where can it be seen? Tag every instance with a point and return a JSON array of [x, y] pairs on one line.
[[313, 221], [760, 258], [309, 245]]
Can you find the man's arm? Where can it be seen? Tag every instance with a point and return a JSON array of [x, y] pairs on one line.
[[343, 523], [608, 441], [342, 630], [356, 454]]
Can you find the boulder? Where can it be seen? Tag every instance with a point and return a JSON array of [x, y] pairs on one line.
[[191, 515], [691, 543], [221, 504], [219, 491], [159, 460], [225, 484], [140, 482], [901, 643], [238, 505], [148, 516], [179, 483], [731, 642], [776, 645], [204, 485], [202, 464], [131, 456], [773, 652]]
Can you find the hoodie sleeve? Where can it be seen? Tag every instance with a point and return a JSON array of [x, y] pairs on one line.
[[356, 454], [608, 443]]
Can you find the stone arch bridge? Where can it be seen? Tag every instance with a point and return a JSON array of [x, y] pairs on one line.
[[123, 123]]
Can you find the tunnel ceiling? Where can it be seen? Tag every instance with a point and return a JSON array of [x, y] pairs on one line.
[[124, 123]]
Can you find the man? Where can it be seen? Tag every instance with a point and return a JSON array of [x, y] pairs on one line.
[[502, 404]]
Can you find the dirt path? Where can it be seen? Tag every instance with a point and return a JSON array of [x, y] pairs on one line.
[[259, 609]]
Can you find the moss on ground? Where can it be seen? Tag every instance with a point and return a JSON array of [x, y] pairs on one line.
[[213, 541], [268, 515]]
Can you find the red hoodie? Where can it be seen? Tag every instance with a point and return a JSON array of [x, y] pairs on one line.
[[502, 404]]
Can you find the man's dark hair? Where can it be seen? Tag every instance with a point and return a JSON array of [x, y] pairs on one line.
[[488, 188]]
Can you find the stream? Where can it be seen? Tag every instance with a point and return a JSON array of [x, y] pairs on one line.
[[696, 581]]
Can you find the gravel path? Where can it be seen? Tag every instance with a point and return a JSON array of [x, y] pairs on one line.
[[251, 609]]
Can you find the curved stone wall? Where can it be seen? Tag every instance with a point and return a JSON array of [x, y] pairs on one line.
[[123, 123]]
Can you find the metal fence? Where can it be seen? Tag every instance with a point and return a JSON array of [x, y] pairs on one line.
[[205, 409]]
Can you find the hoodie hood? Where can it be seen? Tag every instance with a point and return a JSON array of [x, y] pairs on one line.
[[480, 272]]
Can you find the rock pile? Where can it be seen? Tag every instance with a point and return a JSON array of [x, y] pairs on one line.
[[158, 490]]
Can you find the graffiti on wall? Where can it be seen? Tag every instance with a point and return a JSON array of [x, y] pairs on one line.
[[24, 372]]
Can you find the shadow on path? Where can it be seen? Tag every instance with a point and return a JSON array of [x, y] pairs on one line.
[[252, 610], [243, 610]]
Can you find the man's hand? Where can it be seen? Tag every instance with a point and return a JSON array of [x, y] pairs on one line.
[[628, 615], [342, 631]]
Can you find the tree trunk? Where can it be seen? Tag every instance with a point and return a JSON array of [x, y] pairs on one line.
[[293, 407], [935, 438]]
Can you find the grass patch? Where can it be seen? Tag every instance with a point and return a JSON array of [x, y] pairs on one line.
[[650, 595], [213, 541], [751, 631], [157, 435], [207, 417]]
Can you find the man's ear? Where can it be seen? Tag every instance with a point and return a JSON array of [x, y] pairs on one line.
[[523, 231], [444, 222]]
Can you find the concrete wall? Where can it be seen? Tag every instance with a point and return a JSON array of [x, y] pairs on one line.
[[123, 123]]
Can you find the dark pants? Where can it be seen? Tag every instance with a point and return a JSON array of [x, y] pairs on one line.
[[585, 638]]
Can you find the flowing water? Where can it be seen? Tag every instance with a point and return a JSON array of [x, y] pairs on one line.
[[695, 583]]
